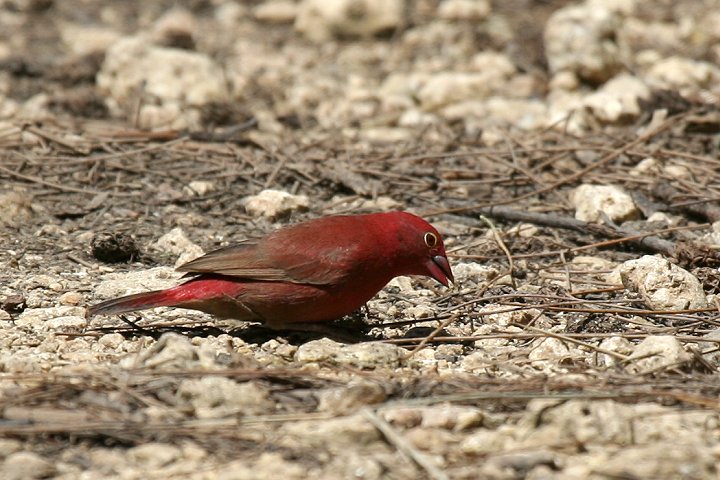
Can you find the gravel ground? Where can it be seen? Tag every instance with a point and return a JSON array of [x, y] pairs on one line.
[[567, 151]]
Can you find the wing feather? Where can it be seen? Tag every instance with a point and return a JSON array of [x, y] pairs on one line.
[[320, 252]]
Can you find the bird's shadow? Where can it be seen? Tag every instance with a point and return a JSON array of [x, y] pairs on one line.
[[350, 329]]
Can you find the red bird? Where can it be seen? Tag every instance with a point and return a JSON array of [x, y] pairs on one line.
[[314, 271]]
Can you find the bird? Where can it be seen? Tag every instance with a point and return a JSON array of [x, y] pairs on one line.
[[307, 273]]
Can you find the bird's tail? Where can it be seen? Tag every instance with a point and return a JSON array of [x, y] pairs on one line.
[[132, 303]]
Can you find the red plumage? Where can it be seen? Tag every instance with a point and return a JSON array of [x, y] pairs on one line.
[[310, 272]]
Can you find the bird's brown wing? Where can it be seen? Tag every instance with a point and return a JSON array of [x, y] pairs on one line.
[[296, 254]]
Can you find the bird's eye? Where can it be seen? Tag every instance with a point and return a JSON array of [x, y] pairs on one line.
[[431, 240]]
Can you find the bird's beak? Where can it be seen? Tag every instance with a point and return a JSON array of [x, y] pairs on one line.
[[439, 269]]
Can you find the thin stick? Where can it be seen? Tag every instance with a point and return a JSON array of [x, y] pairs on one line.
[[79, 260], [575, 176], [271, 178], [403, 446], [430, 337], [503, 247], [564, 338], [62, 188]]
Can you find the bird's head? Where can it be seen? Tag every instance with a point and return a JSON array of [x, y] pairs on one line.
[[423, 249]]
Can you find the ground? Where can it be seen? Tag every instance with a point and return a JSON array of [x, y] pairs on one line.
[[575, 184]]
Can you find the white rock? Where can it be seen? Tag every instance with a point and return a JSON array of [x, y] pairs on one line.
[[613, 278], [171, 351], [86, 39], [276, 11], [663, 285], [524, 230], [423, 310], [405, 285], [398, 88], [683, 73], [275, 203], [578, 38], [111, 340], [536, 461], [444, 416], [491, 136], [41, 280], [619, 345], [201, 187], [656, 352], [280, 349], [548, 352], [71, 298], [626, 7], [381, 203], [431, 440], [591, 263], [15, 208], [617, 101], [525, 114], [451, 417], [607, 271], [646, 166], [504, 317], [678, 171], [414, 118], [229, 14], [464, 9], [26, 466], [495, 64], [712, 347], [118, 284], [321, 20], [712, 237], [354, 464], [486, 442], [386, 134], [362, 355], [592, 201], [271, 465], [108, 460], [218, 397], [36, 316], [652, 423], [404, 417], [474, 272], [357, 394], [175, 242], [445, 88], [154, 454], [156, 116], [668, 459], [564, 81], [598, 422], [640, 34], [647, 58], [76, 322], [34, 108], [9, 446], [336, 434], [663, 217], [170, 81], [567, 112]]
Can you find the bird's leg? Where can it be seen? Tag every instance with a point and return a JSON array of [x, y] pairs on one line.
[[134, 325]]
